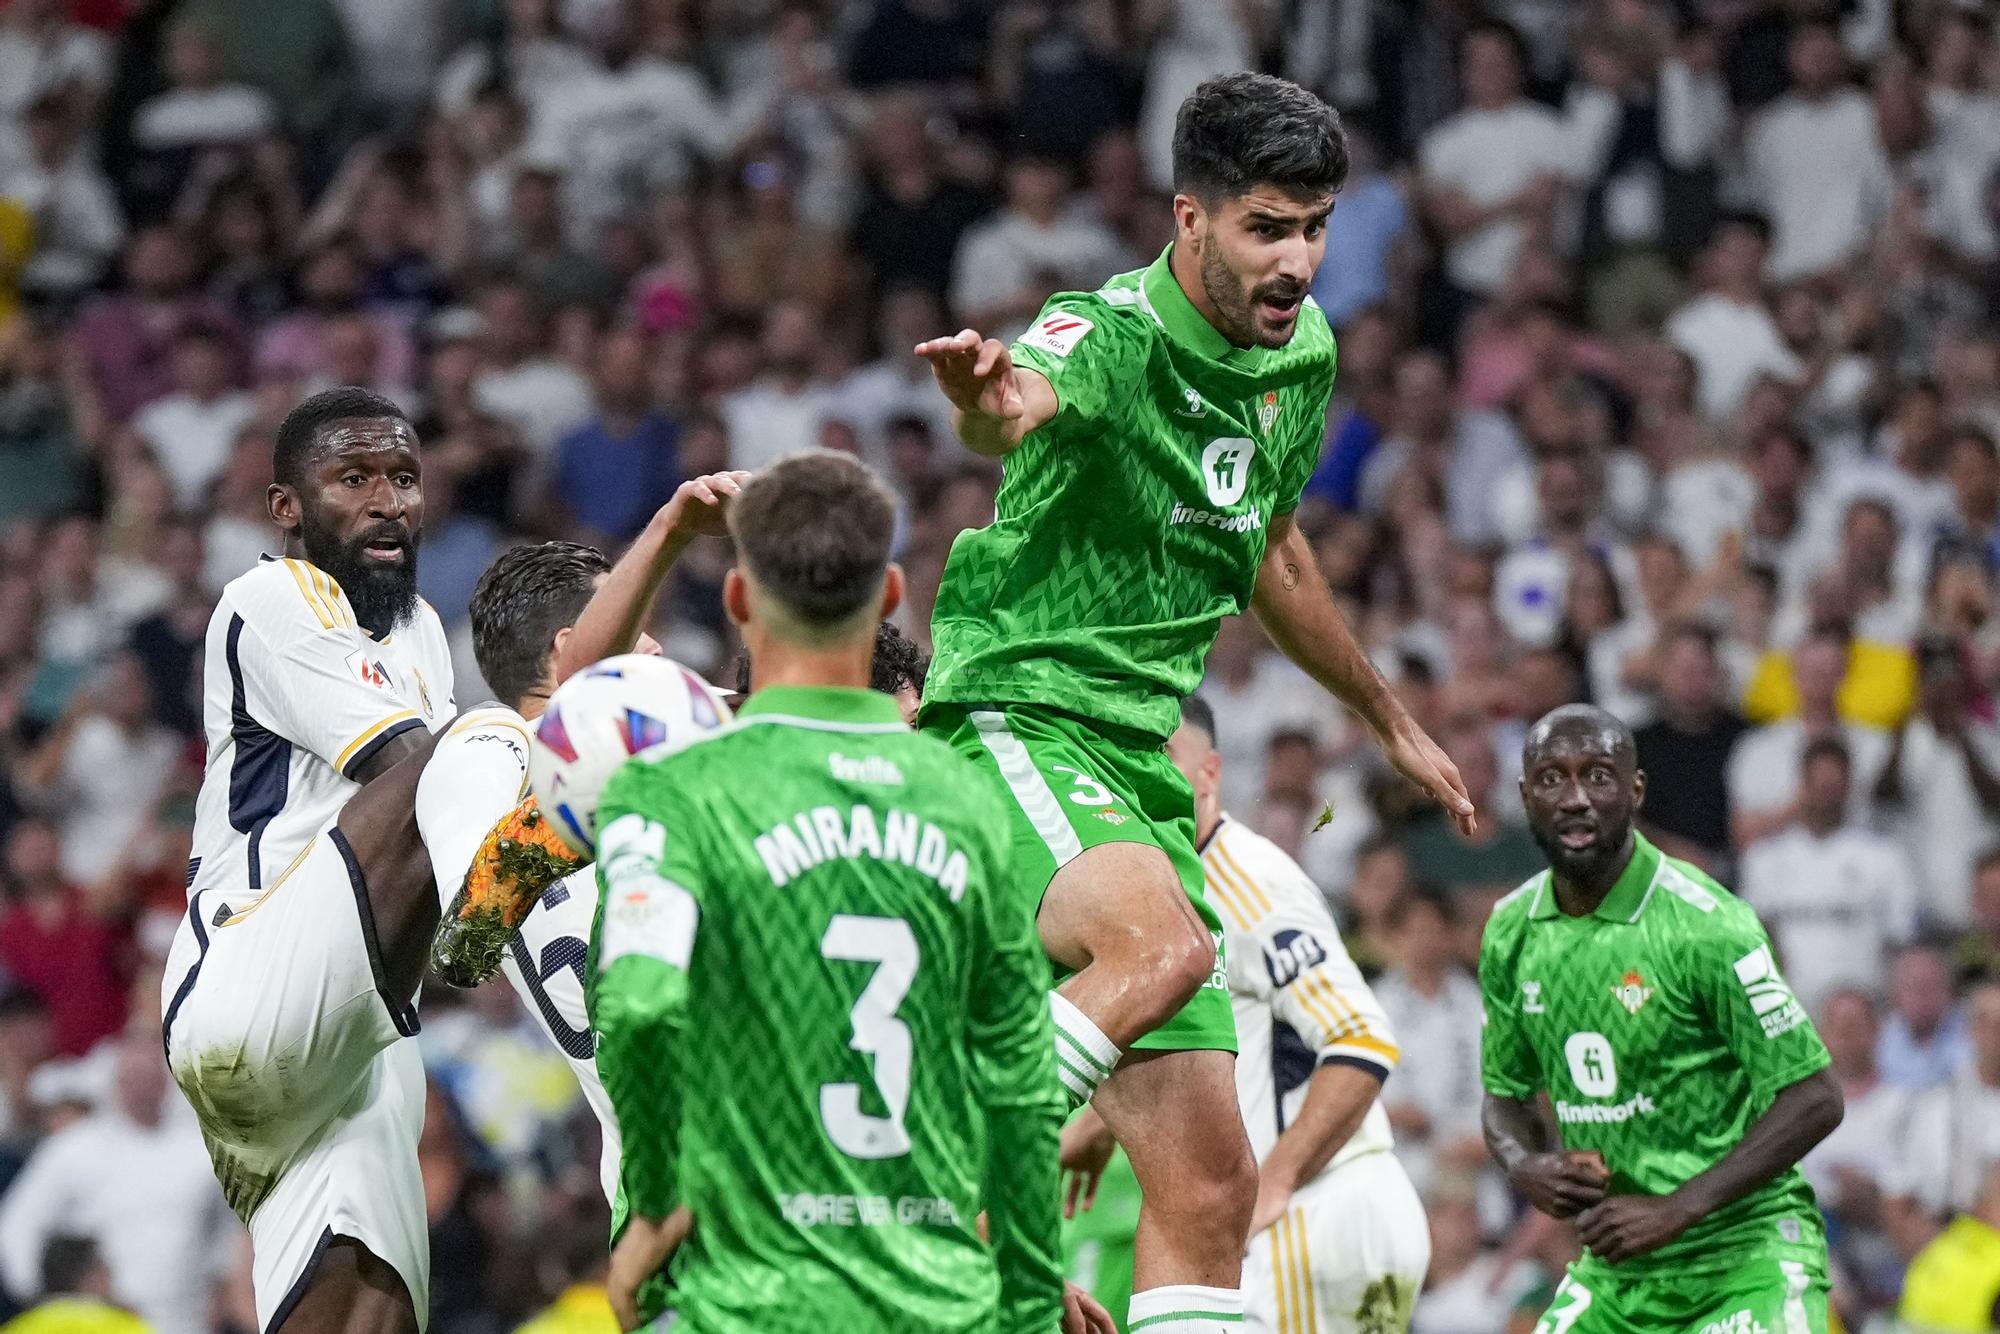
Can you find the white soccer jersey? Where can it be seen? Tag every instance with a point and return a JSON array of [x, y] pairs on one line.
[[295, 696], [1299, 999], [477, 774]]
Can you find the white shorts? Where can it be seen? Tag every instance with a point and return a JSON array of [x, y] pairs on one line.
[[310, 1094], [1347, 1257]]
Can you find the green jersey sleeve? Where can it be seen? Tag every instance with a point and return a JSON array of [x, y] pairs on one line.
[[1014, 1074], [648, 916], [1508, 1066], [1092, 356], [1735, 980]]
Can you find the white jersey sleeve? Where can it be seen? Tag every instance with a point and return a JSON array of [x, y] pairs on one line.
[[477, 774], [305, 669], [1284, 948]]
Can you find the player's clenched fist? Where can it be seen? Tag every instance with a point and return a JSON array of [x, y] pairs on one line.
[[976, 374], [1561, 1185]]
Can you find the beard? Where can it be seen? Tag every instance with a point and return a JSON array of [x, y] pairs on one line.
[[1593, 864], [1236, 307], [383, 596]]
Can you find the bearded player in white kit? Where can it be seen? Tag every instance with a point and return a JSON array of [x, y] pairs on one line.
[[290, 992], [293, 975]]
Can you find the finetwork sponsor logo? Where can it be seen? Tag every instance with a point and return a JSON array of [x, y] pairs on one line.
[[1777, 1009], [1597, 1113], [1228, 523]]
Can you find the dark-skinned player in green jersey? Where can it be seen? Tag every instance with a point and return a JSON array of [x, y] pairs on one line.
[[1158, 433], [1643, 998]]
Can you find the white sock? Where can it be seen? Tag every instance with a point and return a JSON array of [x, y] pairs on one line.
[[1084, 1056], [1186, 1308]]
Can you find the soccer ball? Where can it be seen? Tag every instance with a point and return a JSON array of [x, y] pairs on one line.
[[603, 716]]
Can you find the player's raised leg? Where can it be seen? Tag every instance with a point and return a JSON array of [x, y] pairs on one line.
[[1159, 434]]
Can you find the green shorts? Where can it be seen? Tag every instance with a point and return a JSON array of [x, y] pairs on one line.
[[1073, 784], [1765, 1292]]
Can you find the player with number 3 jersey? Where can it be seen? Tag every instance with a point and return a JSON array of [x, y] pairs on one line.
[[822, 1013], [1643, 998]]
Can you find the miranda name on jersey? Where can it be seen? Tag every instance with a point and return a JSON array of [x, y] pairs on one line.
[[789, 850]]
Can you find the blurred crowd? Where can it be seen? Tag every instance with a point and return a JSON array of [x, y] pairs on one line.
[[1670, 379]]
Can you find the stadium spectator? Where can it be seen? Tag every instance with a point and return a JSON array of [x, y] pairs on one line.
[[70, 949], [1816, 157], [1849, 1168], [613, 471], [1433, 1008], [1952, 1138], [1497, 173], [76, 1295], [1035, 244], [1977, 951], [134, 1176], [1954, 1281], [1764, 771], [192, 430], [1686, 753], [1472, 1288], [126, 337], [1923, 1039], [1836, 898], [1943, 775]]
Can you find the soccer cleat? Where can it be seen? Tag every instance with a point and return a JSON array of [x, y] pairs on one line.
[[518, 859]]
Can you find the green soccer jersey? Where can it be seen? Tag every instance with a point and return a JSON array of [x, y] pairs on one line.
[[1134, 520], [823, 1020], [1660, 1028]]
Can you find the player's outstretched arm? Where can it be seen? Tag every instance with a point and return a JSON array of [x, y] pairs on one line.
[[1560, 1184], [611, 623], [995, 403], [1803, 1114], [1296, 608]]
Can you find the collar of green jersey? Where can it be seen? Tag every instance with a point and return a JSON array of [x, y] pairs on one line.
[[837, 707], [1168, 304], [1627, 897]]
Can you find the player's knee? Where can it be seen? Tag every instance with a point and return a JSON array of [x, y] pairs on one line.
[[1174, 966]]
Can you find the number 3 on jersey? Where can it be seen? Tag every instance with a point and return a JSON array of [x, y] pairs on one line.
[[888, 943]]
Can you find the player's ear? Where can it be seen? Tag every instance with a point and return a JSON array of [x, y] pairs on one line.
[[282, 502], [1638, 789], [736, 596], [1190, 219], [892, 591]]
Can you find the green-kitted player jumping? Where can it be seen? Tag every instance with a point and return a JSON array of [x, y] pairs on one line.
[[1158, 433], [1686, 1081], [823, 1013]]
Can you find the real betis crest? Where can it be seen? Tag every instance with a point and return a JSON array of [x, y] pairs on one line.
[[1632, 991], [1269, 412]]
